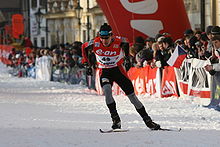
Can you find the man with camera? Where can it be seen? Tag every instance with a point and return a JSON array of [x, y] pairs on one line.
[[214, 70]]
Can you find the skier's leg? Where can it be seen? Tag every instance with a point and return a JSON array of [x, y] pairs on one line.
[[141, 110], [107, 89], [127, 86]]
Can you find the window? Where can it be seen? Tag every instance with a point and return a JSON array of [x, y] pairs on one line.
[[34, 3], [35, 42], [42, 42], [84, 35], [43, 3]]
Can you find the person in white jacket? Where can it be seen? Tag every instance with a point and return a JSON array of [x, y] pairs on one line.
[[44, 64], [214, 70]]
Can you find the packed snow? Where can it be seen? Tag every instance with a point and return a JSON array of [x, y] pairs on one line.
[[50, 114]]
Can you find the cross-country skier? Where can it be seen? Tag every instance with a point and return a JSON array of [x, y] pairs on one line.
[[110, 52]]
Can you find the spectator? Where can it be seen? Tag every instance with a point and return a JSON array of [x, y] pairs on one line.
[[215, 30], [148, 43], [163, 54], [214, 70], [209, 45]]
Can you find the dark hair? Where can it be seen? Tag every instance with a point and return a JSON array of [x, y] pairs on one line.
[[216, 37], [150, 39], [168, 40], [139, 39], [208, 29], [204, 37]]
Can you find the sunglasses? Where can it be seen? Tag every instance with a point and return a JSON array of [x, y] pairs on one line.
[[104, 37]]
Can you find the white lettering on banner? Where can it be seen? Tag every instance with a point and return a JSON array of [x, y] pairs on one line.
[[100, 52], [169, 88], [5, 54], [144, 25], [139, 83], [144, 7], [150, 86]]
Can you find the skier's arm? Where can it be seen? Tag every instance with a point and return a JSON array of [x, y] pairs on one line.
[[86, 48], [125, 46]]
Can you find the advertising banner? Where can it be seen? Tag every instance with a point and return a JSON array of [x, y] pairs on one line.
[[169, 84], [17, 25], [132, 18]]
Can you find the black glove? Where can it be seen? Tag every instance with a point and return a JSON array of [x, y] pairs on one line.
[[89, 71], [212, 72], [127, 63], [86, 65]]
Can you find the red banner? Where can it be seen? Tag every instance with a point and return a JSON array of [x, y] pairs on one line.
[[150, 79], [132, 18], [169, 83], [17, 25], [4, 54], [137, 77]]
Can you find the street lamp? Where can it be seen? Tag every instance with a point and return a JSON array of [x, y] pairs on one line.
[[39, 17], [88, 22], [202, 14], [78, 10]]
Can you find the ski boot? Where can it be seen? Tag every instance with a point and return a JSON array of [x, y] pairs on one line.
[[152, 125], [116, 122], [147, 120]]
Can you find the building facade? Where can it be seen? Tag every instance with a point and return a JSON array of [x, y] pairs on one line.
[[9, 8], [203, 13], [59, 22], [65, 26]]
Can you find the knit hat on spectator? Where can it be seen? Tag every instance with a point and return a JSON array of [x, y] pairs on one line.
[[160, 39], [158, 36], [150, 39], [215, 30], [188, 32], [208, 29]]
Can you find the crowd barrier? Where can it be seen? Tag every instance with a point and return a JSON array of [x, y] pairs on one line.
[[4, 53], [190, 80], [74, 75]]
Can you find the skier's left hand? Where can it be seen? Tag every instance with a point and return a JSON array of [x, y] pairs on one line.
[[89, 71]]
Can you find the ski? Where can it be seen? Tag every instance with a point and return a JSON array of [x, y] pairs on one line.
[[125, 130], [113, 130], [163, 129]]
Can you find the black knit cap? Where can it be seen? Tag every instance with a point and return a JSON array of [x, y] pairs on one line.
[[215, 30], [188, 32], [105, 30], [208, 29]]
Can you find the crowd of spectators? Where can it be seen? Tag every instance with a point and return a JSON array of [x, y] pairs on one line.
[[65, 58], [158, 49], [153, 50]]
